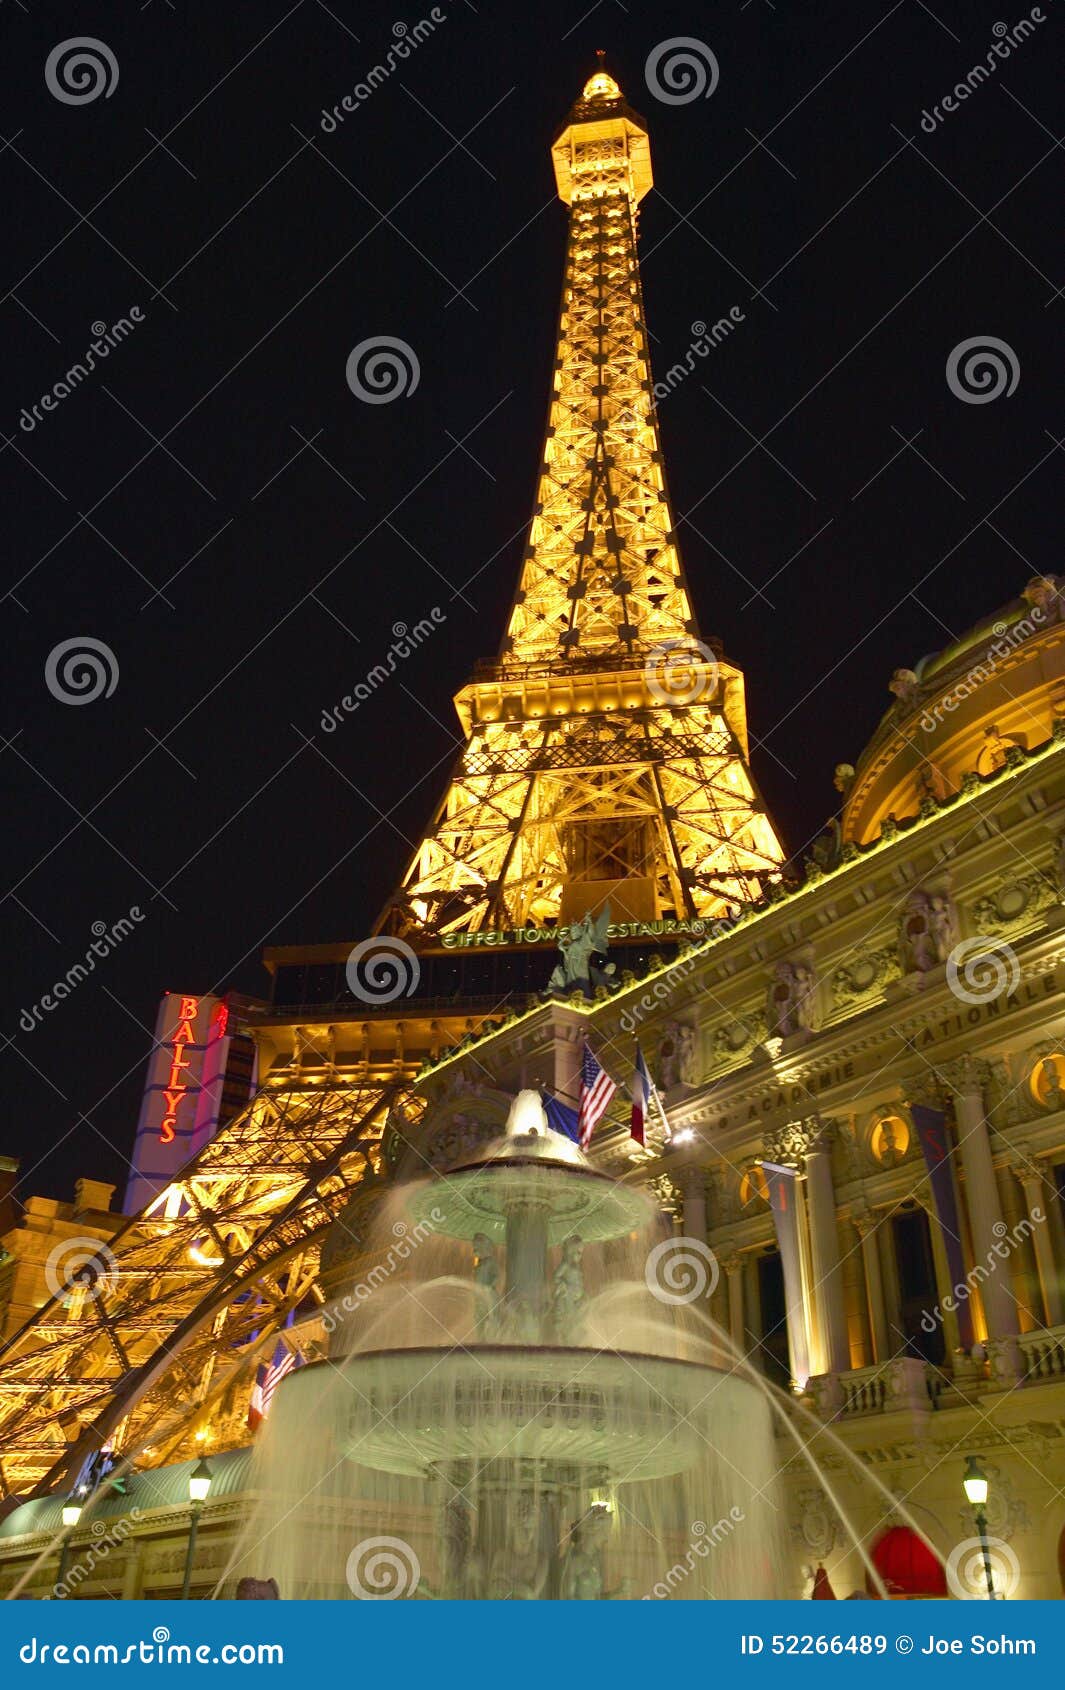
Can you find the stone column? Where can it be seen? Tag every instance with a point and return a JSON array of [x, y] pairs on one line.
[[966, 1080], [866, 1225], [824, 1247], [1037, 1201], [737, 1331], [692, 1182]]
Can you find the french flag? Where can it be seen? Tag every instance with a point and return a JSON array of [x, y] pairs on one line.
[[641, 1098]]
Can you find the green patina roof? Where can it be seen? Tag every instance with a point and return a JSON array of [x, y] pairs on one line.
[[159, 1487]]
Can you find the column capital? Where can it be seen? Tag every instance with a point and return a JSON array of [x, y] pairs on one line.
[[792, 1143], [692, 1180], [863, 1219], [967, 1076]]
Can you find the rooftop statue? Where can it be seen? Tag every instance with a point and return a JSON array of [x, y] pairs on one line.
[[583, 941]]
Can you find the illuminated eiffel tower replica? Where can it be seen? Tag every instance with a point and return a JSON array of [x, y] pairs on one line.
[[605, 773]]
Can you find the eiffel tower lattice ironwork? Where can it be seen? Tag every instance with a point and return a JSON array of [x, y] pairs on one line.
[[606, 753]]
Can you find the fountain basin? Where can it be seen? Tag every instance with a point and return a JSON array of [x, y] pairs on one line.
[[627, 1416], [572, 1197]]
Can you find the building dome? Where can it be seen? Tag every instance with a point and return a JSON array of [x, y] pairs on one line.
[[962, 715]]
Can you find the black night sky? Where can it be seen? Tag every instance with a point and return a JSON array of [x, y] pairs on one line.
[[216, 506]]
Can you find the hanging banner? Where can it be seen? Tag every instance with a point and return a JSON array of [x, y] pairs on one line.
[[783, 1189], [931, 1126]]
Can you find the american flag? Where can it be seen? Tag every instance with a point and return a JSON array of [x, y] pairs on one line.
[[267, 1378], [597, 1089]]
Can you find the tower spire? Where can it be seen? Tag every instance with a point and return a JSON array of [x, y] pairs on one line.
[[606, 755]]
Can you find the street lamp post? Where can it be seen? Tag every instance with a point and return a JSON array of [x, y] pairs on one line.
[[199, 1486], [975, 1483], [71, 1516]]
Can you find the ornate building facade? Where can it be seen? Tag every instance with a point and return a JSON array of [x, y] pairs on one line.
[[885, 1021]]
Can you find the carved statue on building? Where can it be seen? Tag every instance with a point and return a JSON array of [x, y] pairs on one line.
[[583, 941], [904, 685], [1043, 593], [918, 940], [789, 1000], [677, 1056]]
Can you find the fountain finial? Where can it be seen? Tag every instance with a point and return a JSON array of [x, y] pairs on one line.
[[527, 1118]]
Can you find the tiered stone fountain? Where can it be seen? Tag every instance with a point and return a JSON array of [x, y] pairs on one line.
[[522, 1411]]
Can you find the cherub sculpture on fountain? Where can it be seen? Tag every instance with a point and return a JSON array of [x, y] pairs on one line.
[[567, 1293]]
